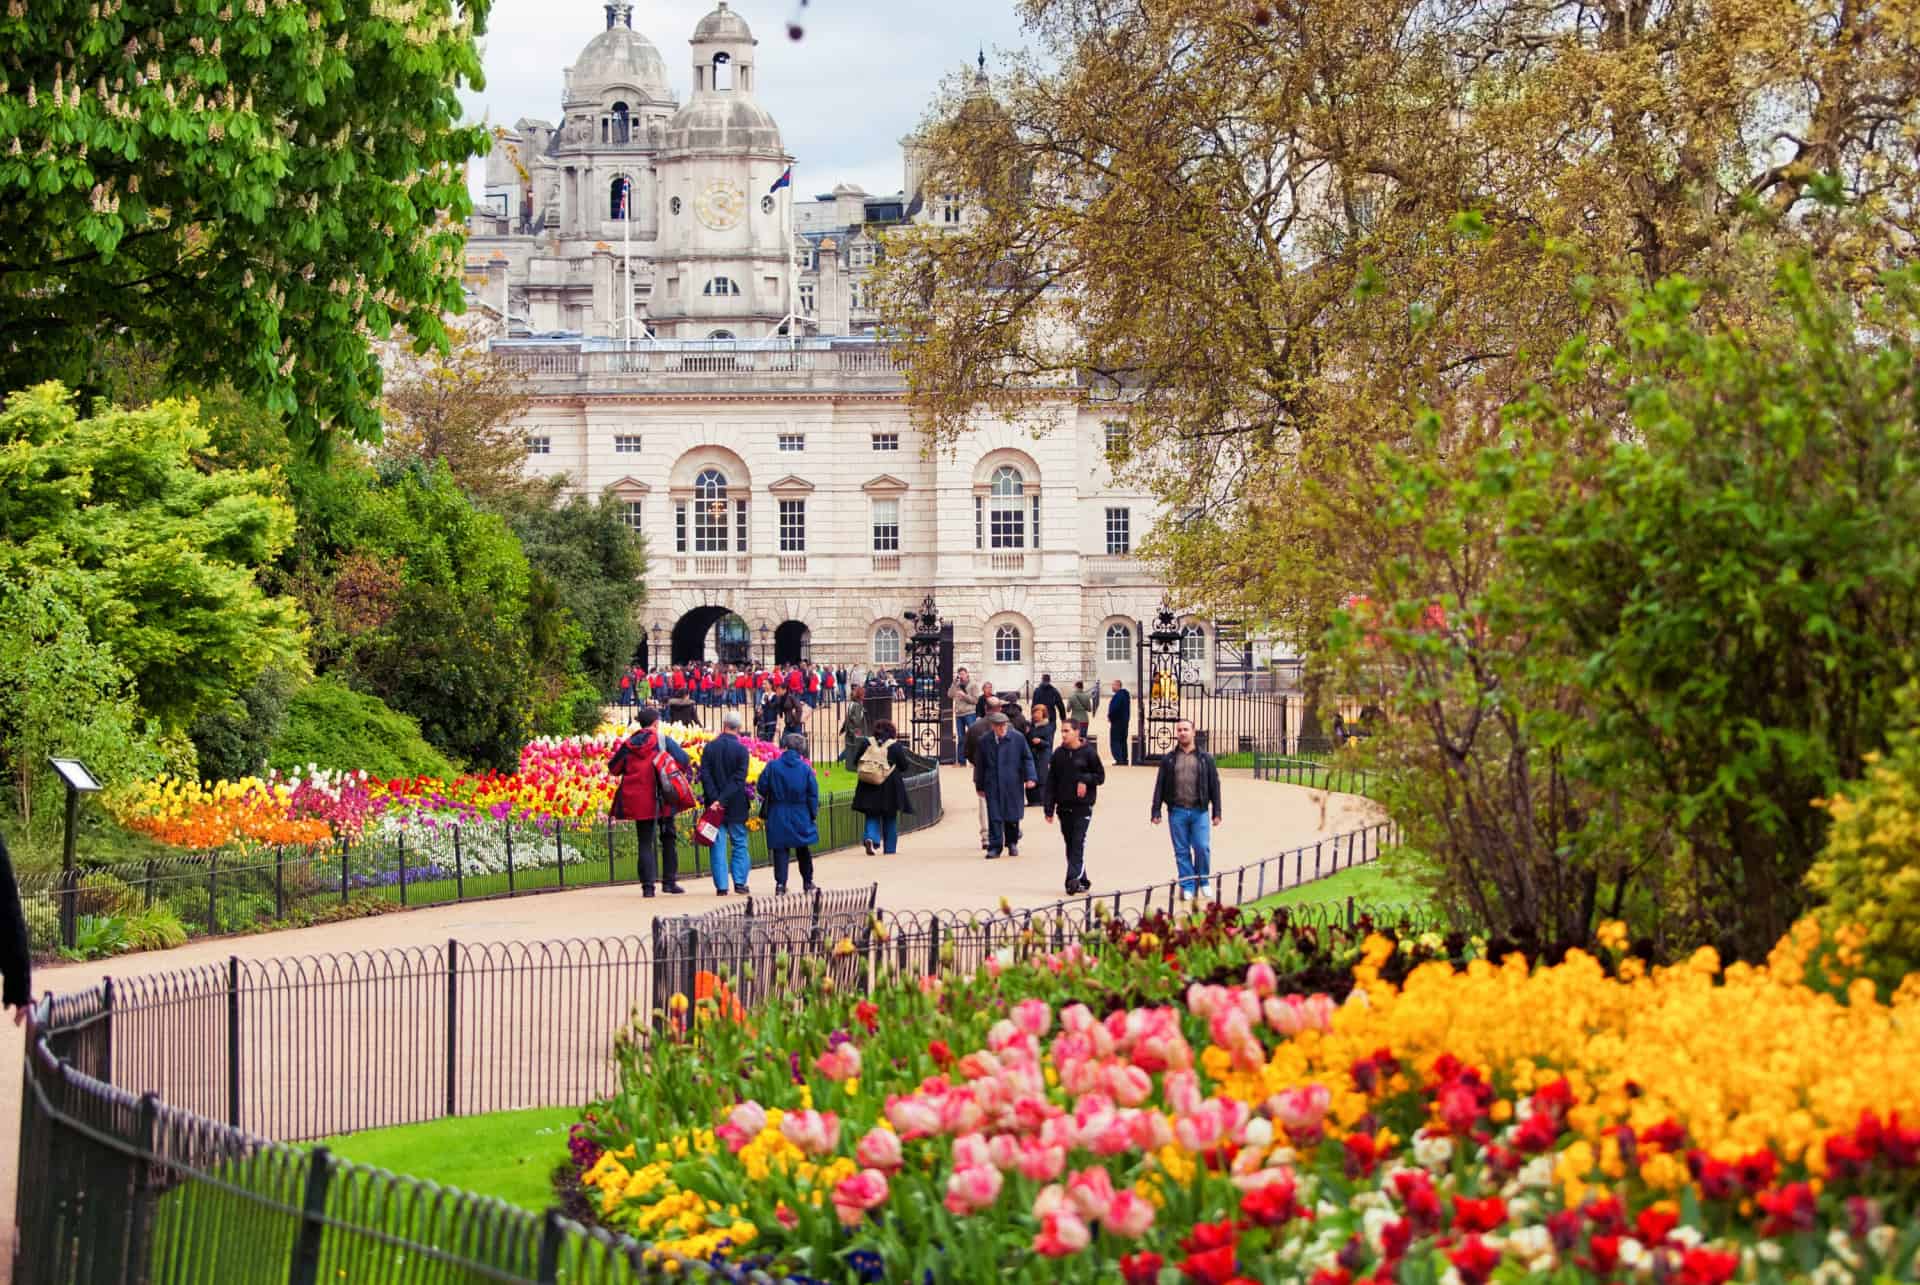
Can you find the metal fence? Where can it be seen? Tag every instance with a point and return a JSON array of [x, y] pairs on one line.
[[156, 1110], [1326, 772], [238, 892]]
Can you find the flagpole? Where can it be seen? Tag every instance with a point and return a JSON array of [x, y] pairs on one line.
[[626, 249]]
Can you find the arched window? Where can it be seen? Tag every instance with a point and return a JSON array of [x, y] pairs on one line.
[[720, 334], [619, 192], [1007, 509], [721, 286], [722, 71], [710, 512], [1119, 643], [622, 126], [1193, 644], [1006, 645], [886, 645]]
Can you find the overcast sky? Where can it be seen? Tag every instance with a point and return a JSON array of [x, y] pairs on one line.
[[844, 94]]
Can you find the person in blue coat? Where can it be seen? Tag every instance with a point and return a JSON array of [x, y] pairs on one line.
[[1003, 772], [723, 780], [791, 795]]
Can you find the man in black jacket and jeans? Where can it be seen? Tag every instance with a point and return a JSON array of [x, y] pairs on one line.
[[1073, 781], [1189, 785]]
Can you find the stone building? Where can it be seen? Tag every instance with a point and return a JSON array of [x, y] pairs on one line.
[[701, 346]]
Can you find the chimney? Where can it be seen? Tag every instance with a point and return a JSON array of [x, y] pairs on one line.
[[602, 325], [497, 286], [831, 306]]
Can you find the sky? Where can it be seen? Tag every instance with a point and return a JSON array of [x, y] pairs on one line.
[[860, 78]]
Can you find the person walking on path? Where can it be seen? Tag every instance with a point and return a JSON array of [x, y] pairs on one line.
[[1040, 732], [986, 694], [638, 799], [970, 754], [881, 801], [1002, 774], [793, 712], [1080, 708], [853, 729], [792, 801], [16, 949], [1074, 778], [1189, 785], [960, 698], [767, 717], [723, 780], [1119, 714], [1049, 695]]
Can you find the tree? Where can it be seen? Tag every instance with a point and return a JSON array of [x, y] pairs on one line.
[[459, 409], [1260, 232], [235, 740], [62, 692], [258, 193], [598, 566], [128, 517]]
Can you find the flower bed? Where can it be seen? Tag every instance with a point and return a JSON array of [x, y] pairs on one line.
[[1165, 1103], [559, 780]]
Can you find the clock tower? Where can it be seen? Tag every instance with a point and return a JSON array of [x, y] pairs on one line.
[[724, 264]]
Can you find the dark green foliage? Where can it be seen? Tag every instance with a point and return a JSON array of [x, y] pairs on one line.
[[331, 726], [597, 565], [234, 741]]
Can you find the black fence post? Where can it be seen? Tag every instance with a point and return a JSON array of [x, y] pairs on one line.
[[233, 1040], [507, 827], [213, 892], [140, 1217], [611, 877], [313, 1208], [559, 855], [453, 1020], [547, 1271], [346, 859], [933, 948], [106, 1043], [279, 882], [459, 868], [400, 846], [149, 889]]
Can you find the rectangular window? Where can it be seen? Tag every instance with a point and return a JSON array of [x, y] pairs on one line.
[[886, 526], [793, 442], [1007, 524], [539, 446], [680, 527], [978, 505], [1034, 503], [1119, 531], [856, 297], [633, 515], [806, 297], [886, 441], [710, 526], [739, 526], [626, 444], [793, 526], [1116, 437]]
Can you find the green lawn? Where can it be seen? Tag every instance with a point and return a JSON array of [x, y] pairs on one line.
[[509, 1155], [1367, 885]]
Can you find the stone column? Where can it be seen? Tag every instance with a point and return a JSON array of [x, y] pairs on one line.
[[497, 286], [831, 306], [603, 298]]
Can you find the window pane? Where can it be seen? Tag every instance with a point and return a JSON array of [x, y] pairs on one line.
[[886, 441], [626, 444], [1006, 645], [793, 442], [793, 526], [1119, 642], [886, 526], [710, 512], [1119, 531], [886, 645]]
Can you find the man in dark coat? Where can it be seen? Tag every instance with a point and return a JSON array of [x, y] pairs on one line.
[[637, 798], [16, 953], [1074, 778], [1188, 784], [723, 780], [1049, 695], [1119, 714], [970, 754], [1002, 775]]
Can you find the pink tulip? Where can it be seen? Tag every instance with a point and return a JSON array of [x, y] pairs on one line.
[[1078, 1019], [1038, 1162], [973, 1189], [960, 1112], [1261, 979], [1129, 1215], [879, 1149], [1061, 1234], [1285, 1014], [1090, 1192], [1033, 1016], [854, 1196], [970, 1152], [841, 1062], [815, 1132], [913, 1117], [1301, 1109], [1128, 1085]]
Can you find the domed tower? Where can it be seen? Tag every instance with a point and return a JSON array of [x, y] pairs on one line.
[[724, 264], [616, 103]]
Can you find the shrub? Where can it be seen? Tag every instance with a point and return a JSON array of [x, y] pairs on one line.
[[331, 725], [101, 893], [1869, 872], [156, 928], [234, 740]]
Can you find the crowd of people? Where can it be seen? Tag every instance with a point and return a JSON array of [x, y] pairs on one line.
[[706, 682]]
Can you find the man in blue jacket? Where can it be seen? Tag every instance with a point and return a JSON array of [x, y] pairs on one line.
[[1119, 714], [723, 780], [1002, 775]]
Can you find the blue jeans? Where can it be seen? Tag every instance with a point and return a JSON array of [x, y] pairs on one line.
[[964, 722], [885, 831], [730, 856], [1192, 830]]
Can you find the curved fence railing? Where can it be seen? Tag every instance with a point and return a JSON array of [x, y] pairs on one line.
[[228, 893], [158, 1112]]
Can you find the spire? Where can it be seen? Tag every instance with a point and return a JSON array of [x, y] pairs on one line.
[[980, 75], [619, 13]]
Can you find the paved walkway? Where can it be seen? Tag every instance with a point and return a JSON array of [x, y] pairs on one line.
[[938, 868]]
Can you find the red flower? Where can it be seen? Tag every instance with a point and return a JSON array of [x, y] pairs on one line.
[[1141, 1269], [1708, 1266], [1272, 1205], [1667, 1135], [1537, 1133], [1564, 1227], [1718, 1180], [1556, 1097], [1654, 1224], [1478, 1215], [1474, 1259], [1790, 1209], [1607, 1215], [1848, 1156], [1605, 1252], [942, 1055], [1331, 1276], [1418, 1197], [867, 1014], [1224, 1234], [1210, 1267], [1459, 1107], [1362, 1154], [1395, 1237], [1758, 1169]]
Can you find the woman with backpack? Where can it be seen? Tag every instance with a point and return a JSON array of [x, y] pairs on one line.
[[651, 786], [881, 795], [792, 802]]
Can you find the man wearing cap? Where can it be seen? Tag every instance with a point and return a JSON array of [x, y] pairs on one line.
[[1002, 774]]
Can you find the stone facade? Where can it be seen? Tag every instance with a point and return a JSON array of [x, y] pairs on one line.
[[756, 429]]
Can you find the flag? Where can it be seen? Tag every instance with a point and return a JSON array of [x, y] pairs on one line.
[[785, 180], [620, 209]]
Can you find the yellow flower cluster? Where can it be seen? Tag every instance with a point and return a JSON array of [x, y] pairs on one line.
[[1742, 1057]]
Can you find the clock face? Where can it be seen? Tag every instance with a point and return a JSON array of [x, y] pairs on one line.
[[720, 205]]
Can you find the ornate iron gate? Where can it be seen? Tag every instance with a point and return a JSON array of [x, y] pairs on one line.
[[1160, 684], [930, 659]]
